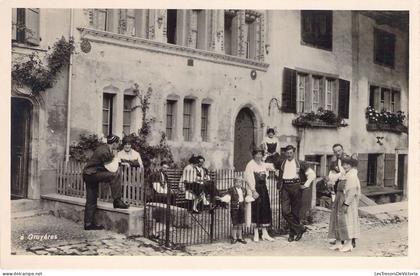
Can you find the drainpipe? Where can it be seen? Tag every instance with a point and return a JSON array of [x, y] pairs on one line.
[[69, 88]]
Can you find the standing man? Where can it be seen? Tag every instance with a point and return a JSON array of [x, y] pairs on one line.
[[335, 168], [295, 175], [95, 172]]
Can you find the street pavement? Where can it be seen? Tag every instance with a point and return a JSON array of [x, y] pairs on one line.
[[49, 235]]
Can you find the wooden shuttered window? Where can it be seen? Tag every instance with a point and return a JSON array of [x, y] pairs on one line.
[[389, 174], [32, 26], [14, 24], [316, 28], [343, 98], [362, 168], [289, 91]]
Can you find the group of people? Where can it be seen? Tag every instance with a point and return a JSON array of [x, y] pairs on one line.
[[249, 197]]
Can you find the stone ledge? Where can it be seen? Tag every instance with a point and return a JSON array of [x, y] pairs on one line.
[[125, 221], [171, 49]]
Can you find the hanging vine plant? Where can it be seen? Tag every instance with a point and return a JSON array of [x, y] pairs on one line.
[[34, 74]]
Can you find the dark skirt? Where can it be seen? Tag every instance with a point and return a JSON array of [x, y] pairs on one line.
[[260, 208], [194, 187], [238, 214]]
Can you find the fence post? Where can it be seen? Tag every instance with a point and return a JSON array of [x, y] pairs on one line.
[[313, 201], [168, 213]]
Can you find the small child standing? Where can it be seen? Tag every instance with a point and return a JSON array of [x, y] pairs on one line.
[[236, 195]]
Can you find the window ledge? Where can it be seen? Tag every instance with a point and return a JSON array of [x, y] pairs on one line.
[[170, 49], [20, 47], [314, 124], [386, 127]]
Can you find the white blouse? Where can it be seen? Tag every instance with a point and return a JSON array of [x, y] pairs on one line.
[[253, 167]]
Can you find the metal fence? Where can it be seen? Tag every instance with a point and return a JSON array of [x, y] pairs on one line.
[[169, 218]]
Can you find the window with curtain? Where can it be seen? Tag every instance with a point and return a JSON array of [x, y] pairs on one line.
[[127, 114], [25, 26], [107, 112]]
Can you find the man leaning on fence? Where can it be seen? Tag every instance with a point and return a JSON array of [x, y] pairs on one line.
[[102, 167], [295, 175]]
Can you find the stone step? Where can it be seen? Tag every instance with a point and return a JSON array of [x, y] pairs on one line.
[[32, 213], [365, 201], [24, 205], [125, 221]]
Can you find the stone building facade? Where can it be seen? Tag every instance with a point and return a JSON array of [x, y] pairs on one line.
[[219, 79]]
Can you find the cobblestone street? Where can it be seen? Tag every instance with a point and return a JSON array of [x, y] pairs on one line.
[[64, 237]]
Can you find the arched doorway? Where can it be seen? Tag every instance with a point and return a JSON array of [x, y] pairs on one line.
[[21, 115], [244, 138]]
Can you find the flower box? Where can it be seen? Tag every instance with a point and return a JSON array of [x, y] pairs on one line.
[[386, 127], [313, 124]]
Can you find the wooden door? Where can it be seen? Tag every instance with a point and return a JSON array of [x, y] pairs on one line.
[[244, 140], [20, 135]]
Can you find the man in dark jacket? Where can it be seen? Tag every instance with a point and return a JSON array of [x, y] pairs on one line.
[[295, 175], [94, 173]]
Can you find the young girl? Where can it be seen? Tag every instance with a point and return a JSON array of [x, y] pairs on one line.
[[237, 196]]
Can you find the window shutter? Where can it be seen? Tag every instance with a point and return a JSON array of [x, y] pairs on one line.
[[32, 26], [362, 168], [254, 39], [389, 175], [122, 23], [307, 107], [289, 91], [306, 26], [235, 35], [343, 98], [397, 100], [387, 99], [14, 22]]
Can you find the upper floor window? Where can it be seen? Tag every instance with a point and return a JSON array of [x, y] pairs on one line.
[[229, 32], [316, 28], [384, 48], [171, 22], [306, 92], [382, 98], [25, 26], [102, 19]]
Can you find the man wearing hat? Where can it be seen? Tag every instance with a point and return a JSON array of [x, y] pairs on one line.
[[295, 175], [96, 172]]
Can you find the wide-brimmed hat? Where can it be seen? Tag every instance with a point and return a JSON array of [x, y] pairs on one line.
[[351, 160], [258, 149], [111, 139]]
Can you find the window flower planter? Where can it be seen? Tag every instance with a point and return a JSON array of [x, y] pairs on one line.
[[321, 119], [386, 127], [385, 121]]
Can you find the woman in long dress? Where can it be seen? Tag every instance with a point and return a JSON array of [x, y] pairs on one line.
[[344, 220], [256, 173]]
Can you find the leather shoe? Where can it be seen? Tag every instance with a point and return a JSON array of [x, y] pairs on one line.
[[242, 241], [118, 203], [291, 238], [94, 227], [233, 241], [299, 236]]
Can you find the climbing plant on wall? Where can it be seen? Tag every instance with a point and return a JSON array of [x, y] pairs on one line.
[[34, 74]]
